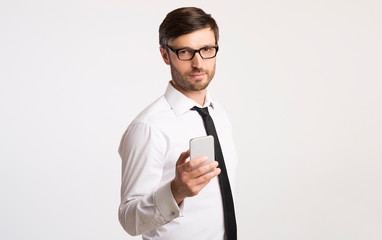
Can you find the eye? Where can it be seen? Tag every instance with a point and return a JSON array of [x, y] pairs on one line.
[[184, 51], [207, 49]]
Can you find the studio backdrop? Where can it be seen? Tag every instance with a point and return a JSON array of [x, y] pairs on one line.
[[300, 80]]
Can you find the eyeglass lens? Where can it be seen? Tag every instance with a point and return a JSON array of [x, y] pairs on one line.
[[206, 52]]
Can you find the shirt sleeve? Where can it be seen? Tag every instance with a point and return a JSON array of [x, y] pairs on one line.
[[145, 204]]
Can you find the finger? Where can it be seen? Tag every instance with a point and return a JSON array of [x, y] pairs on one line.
[[195, 162], [205, 168], [183, 157], [206, 178]]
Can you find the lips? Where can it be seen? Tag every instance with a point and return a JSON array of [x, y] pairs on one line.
[[197, 75]]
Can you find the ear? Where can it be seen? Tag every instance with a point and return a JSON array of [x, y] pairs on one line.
[[165, 55]]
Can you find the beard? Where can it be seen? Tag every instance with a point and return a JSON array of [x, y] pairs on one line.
[[186, 82]]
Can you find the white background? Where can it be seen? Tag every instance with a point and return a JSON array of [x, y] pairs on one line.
[[301, 81]]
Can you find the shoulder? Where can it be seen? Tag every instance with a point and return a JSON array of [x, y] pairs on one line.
[[148, 123], [218, 107], [153, 113], [219, 112], [144, 133]]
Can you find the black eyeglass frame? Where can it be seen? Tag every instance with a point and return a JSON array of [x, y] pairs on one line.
[[176, 51]]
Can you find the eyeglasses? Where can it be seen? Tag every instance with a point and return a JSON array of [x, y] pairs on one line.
[[186, 54]]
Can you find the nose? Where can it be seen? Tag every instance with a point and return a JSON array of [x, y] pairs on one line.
[[197, 61]]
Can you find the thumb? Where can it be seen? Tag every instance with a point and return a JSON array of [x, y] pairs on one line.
[[183, 157]]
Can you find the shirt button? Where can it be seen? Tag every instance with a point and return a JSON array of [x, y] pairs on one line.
[[172, 213]]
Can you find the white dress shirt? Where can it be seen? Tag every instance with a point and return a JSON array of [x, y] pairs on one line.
[[149, 150]]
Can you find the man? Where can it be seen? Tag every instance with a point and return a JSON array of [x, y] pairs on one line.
[[163, 195]]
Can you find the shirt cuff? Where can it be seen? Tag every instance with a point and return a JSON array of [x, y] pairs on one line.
[[166, 203]]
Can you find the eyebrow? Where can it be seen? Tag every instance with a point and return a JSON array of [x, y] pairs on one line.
[[206, 45]]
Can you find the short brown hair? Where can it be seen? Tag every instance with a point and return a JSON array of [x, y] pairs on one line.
[[183, 21]]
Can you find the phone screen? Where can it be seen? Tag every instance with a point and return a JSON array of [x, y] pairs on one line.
[[202, 146]]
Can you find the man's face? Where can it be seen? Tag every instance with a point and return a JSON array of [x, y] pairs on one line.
[[197, 73]]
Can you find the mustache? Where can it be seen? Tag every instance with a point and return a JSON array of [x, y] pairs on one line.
[[197, 70]]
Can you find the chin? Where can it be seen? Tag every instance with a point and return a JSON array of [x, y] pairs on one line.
[[199, 87]]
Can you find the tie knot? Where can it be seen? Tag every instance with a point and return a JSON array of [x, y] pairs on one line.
[[202, 111]]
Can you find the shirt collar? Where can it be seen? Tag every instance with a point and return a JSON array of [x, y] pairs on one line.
[[180, 103]]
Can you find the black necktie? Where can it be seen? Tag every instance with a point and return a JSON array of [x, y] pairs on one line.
[[225, 187]]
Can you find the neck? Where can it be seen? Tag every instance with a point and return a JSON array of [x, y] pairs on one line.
[[198, 96]]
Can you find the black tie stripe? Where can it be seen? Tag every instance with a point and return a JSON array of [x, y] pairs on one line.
[[225, 187]]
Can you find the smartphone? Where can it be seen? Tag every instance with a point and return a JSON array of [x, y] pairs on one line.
[[202, 146]]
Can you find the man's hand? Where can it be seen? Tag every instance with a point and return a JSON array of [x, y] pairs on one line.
[[189, 182]]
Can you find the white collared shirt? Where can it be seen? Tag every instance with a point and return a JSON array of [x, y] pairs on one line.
[[149, 150]]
